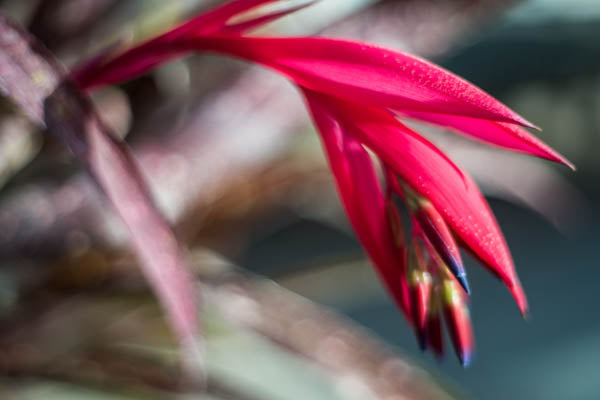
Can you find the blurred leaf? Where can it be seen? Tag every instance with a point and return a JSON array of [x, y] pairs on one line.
[[31, 77], [263, 343]]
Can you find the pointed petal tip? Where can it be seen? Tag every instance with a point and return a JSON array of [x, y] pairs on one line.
[[465, 358], [547, 152], [568, 164], [523, 122], [458, 270], [462, 279], [247, 25], [519, 295], [559, 158]]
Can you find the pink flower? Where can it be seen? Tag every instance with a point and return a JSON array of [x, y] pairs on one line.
[[355, 93]]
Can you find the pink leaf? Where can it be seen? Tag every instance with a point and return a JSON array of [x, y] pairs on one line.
[[140, 59], [364, 73], [498, 133], [344, 69], [213, 20], [249, 24]]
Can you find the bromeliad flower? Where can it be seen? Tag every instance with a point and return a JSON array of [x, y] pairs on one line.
[[356, 94]]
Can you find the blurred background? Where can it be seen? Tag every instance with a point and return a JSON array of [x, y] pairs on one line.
[[235, 164]]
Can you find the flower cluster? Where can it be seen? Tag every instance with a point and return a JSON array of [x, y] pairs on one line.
[[357, 95]]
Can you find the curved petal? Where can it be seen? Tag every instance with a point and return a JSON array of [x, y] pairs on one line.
[[454, 195], [140, 59], [363, 200], [500, 134], [350, 70], [364, 73]]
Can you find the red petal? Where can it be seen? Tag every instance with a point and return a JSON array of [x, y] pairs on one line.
[[420, 284], [363, 200], [345, 69], [395, 221], [391, 180], [427, 171], [364, 73], [213, 20], [435, 339], [458, 321], [498, 133]]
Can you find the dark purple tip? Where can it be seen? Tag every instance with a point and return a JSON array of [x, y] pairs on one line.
[[465, 358], [439, 356], [462, 279], [453, 263], [422, 339]]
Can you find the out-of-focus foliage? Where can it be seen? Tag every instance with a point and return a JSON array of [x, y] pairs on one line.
[[262, 342]]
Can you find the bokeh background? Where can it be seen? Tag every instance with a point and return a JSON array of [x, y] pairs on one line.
[[235, 164]]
